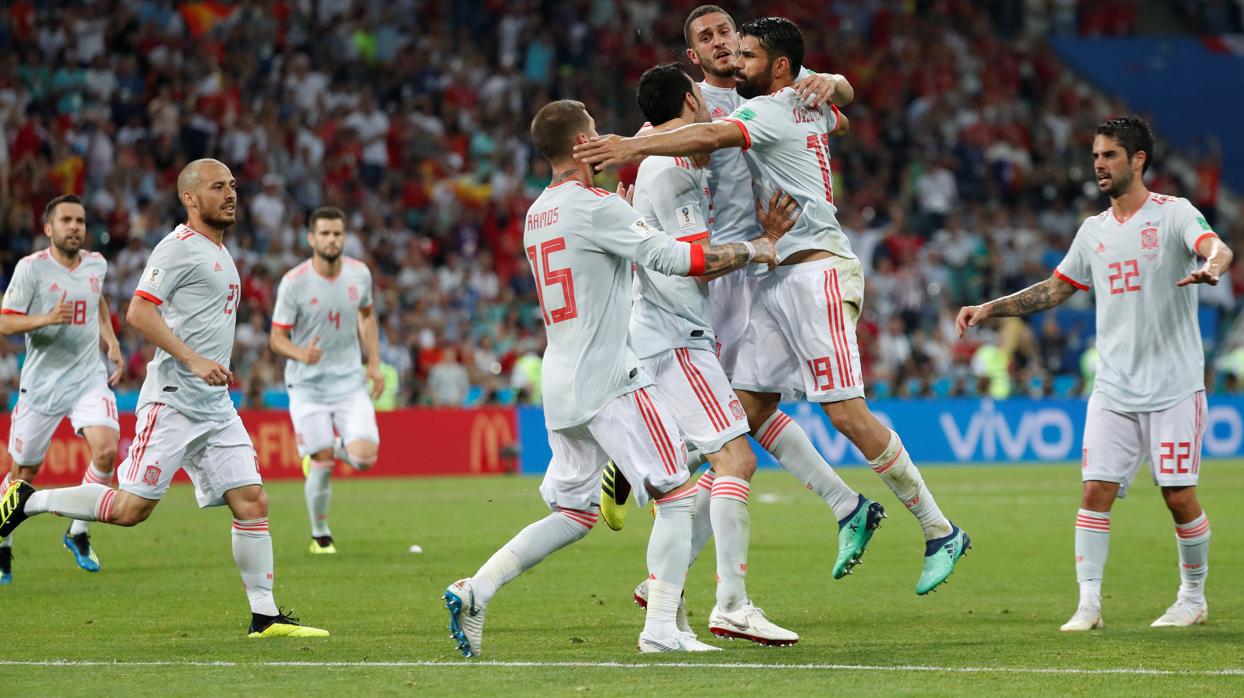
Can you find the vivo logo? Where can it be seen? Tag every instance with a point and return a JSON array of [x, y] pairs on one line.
[[1048, 432]]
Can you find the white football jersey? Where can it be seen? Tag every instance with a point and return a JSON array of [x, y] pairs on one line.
[[729, 180], [196, 285], [310, 305], [581, 242], [671, 312], [787, 149], [62, 361], [1148, 336]]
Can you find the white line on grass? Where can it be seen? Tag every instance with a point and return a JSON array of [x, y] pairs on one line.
[[1141, 671]]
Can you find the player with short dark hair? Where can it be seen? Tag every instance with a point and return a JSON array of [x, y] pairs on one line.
[[582, 242], [323, 308], [786, 143], [186, 418], [1148, 401], [56, 299]]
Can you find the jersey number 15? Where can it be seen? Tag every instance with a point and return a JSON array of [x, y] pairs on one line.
[[552, 277]]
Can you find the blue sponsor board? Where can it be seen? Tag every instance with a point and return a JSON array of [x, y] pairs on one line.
[[951, 431]]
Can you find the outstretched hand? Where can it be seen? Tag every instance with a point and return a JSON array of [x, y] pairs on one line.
[[1204, 275], [971, 316], [606, 151]]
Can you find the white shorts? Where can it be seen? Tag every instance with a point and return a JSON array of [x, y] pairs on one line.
[[30, 432], [1116, 444], [637, 432], [353, 418], [694, 386], [730, 300], [801, 340], [218, 456]]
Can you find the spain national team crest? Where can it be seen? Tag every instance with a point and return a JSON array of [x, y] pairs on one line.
[[95, 284], [736, 409], [1149, 238], [354, 293], [151, 476]]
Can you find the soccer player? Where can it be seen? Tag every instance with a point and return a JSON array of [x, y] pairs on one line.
[[672, 335], [55, 298], [713, 43], [326, 304], [581, 242], [786, 146], [185, 416], [1148, 402]]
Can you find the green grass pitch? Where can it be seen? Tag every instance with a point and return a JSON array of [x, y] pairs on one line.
[[167, 614]]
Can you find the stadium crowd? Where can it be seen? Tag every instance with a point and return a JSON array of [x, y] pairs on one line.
[[964, 177]]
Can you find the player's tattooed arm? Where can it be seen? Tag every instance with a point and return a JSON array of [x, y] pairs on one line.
[[733, 255], [776, 221], [1037, 297]]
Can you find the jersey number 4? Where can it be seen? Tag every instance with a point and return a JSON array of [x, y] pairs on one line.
[[1123, 277], [552, 277]]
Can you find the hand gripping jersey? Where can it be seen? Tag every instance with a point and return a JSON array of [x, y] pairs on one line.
[[671, 312], [787, 149], [1148, 337], [196, 285], [62, 361], [311, 305], [581, 242]]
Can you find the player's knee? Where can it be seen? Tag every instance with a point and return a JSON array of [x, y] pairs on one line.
[[105, 459], [735, 462], [847, 421], [364, 453], [759, 408], [130, 511], [1179, 499], [1099, 495]]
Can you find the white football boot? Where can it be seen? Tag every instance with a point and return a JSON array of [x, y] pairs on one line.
[[1182, 613], [678, 642], [466, 618], [1084, 619], [749, 623]]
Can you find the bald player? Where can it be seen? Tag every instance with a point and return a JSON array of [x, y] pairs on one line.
[[186, 304]]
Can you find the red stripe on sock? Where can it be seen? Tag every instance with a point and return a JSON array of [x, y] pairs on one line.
[[583, 518], [770, 435], [881, 469], [1193, 532], [675, 497], [103, 512]]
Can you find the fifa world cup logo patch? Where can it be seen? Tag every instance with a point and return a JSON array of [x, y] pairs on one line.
[[151, 476], [1149, 238]]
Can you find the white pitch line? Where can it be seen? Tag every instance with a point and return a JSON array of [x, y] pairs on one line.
[[633, 665]]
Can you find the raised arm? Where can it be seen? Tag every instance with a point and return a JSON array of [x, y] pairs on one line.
[[145, 317], [1037, 297], [606, 151], [111, 345]]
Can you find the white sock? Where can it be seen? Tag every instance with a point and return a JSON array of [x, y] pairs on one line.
[[1193, 539], [92, 476], [318, 490], [1092, 547], [529, 547], [904, 480], [252, 551], [792, 448], [84, 502], [669, 552], [731, 528], [702, 524]]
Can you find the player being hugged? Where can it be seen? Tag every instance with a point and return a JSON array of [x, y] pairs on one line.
[[56, 300], [800, 336], [186, 304], [582, 242], [1148, 401], [323, 306]]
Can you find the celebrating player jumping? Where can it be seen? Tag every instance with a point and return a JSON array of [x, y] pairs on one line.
[[1148, 401]]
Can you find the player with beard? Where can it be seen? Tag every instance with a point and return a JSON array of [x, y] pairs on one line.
[[323, 306], [1148, 401], [185, 415], [55, 298], [712, 43], [805, 311]]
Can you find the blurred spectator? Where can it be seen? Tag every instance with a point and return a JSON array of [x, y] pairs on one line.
[[448, 382]]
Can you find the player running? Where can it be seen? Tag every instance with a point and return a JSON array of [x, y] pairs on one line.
[[56, 299], [1148, 401], [786, 147], [325, 303], [581, 243], [185, 416], [672, 335]]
